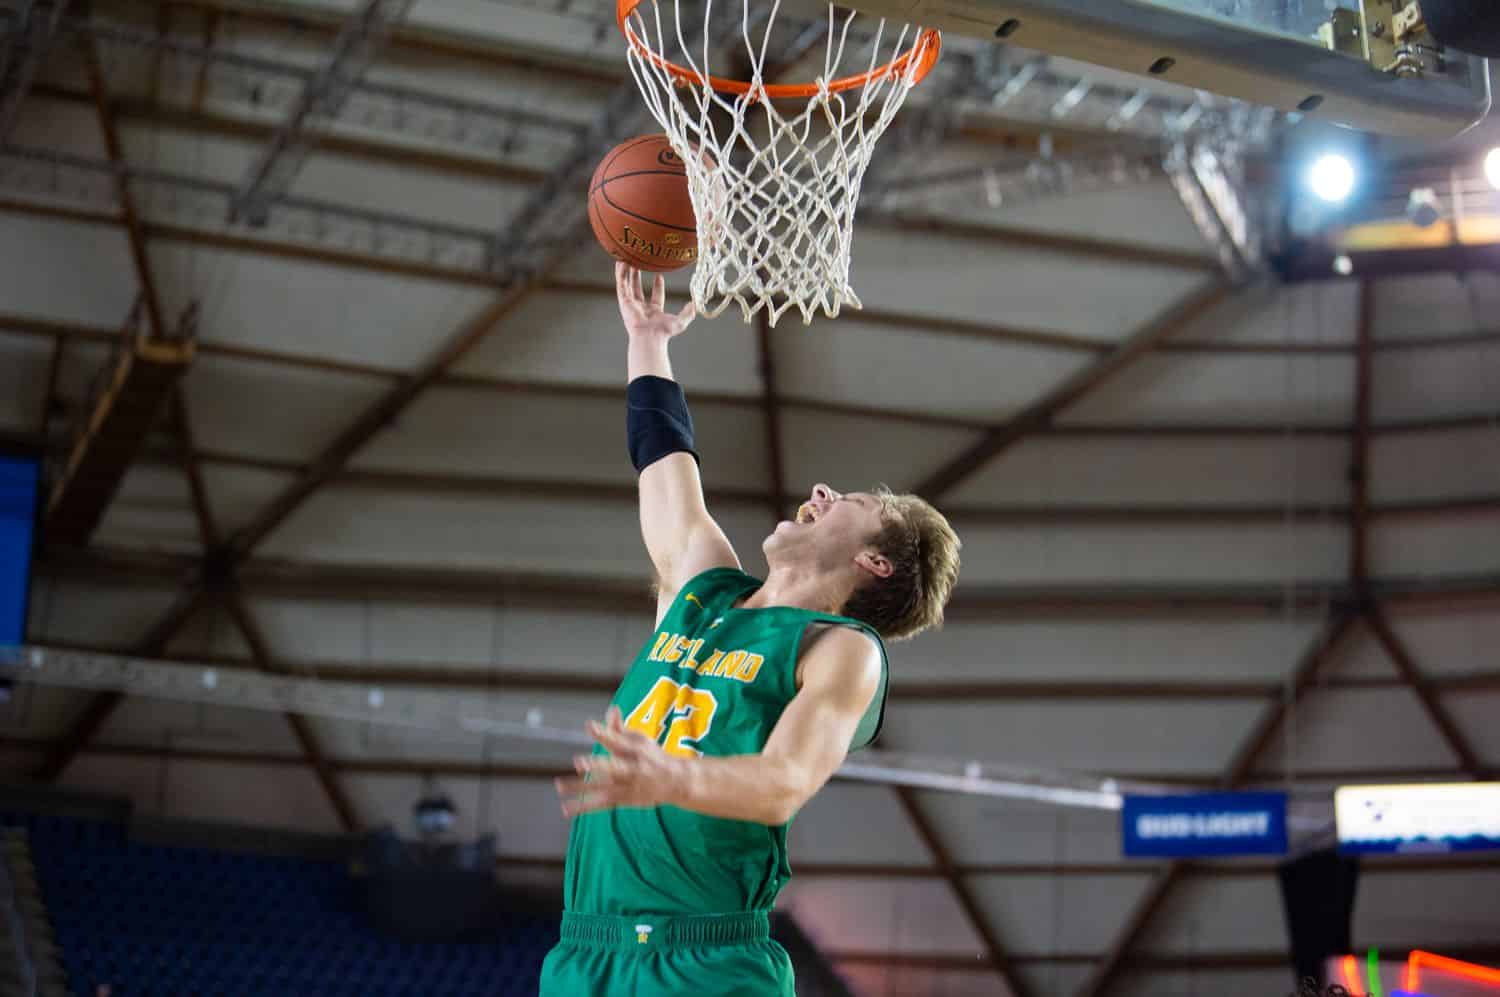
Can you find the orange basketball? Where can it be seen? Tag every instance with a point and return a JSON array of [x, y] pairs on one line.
[[639, 206]]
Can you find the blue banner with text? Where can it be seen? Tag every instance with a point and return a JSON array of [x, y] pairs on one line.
[[1204, 824]]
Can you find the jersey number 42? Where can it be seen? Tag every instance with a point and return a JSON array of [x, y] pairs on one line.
[[683, 713]]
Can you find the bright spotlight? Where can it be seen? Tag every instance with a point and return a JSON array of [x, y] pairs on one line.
[[1492, 167], [1342, 265], [1331, 178]]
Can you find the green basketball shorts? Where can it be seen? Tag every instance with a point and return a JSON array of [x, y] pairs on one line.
[[714, 955]]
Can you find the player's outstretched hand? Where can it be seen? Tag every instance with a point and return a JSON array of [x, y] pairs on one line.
[[635, 773], [648, 317]]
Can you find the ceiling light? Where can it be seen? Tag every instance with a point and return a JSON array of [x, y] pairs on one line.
[[1331, 178]]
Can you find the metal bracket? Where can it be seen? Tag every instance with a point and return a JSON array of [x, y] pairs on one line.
[[1390, 35]]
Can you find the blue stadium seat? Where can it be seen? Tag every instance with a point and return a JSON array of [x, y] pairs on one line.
[[162, 921]]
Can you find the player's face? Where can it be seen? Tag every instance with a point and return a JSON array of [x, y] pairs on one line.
[[834, 525]]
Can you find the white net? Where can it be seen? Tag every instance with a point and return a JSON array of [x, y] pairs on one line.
[[774, 169]]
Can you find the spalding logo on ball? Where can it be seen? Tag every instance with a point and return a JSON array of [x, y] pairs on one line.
[[639, 206]]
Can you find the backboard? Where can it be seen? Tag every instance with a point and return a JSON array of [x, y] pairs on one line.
[[1365, 64]]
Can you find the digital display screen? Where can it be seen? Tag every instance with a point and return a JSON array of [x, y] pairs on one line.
[[19, 480], [1435, 817]]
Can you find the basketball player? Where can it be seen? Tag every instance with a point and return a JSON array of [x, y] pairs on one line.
[[737, 709]]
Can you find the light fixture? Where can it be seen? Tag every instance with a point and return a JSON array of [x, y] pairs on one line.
[[1331, 178], [1422, 207], [1343, 265], [1492, 167]]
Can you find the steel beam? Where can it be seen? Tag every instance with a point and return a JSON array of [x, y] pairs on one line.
[[1426, 691], [483, 676], [1236, 774], [322, 97], [1041, 412], [26, 325], [612, 123], [994, 952], [26, 35], [283, 578]]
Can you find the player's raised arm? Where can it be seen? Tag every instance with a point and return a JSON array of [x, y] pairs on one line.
[[681, 538]]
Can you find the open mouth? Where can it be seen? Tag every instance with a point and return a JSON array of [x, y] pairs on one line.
[[807, 513]]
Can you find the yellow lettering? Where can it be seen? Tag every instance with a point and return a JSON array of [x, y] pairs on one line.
[[674, 651], [730, 664], [634, 241], [691, 712], [750, 668], [694, 709], [650, 715], [655, 654], [707, 667], [692, 654]]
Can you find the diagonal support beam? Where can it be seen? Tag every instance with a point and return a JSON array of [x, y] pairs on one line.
[[1040, 414], [281, 159], [307, 739], [152, 645], [1338, 631], [1359, 524], [25, 37], [1333, 638], [1426, 694], [380, 414], [135, 236], [222, 561], [233, 601], [998, 960], [154, 642], [1236, 774]]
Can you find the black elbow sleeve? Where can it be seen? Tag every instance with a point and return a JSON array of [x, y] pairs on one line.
[[657, 422]]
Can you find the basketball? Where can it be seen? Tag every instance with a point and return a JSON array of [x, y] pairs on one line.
[[639, 206]]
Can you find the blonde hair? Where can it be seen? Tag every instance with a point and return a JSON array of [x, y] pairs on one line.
[[923, 550]]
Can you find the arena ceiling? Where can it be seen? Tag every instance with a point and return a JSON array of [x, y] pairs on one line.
[[1216, 533]]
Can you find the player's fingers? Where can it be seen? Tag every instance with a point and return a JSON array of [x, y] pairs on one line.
[[659, 292], [614, 718], [619, 742], [587, 804], [622, 285], [688, 313], [568, 786]]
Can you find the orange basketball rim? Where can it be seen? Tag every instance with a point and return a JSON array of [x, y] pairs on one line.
[[925, 51]]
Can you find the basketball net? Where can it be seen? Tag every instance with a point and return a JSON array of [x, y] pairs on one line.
[[774, 170]]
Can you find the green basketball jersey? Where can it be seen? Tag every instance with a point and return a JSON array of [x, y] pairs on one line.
[[712, 680]]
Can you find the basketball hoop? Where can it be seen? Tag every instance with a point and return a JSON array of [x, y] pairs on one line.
[[774, 169]]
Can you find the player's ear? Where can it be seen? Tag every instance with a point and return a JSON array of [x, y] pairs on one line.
[[875, 563]]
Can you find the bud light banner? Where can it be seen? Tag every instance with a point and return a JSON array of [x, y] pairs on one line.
[[1200, 824]]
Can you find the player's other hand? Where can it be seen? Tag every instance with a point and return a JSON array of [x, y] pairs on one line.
[[635, 773], [648, 316]]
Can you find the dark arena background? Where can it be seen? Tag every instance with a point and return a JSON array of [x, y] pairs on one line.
[[319, 537]]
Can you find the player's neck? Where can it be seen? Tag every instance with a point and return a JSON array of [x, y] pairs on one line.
[[800, 588]]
